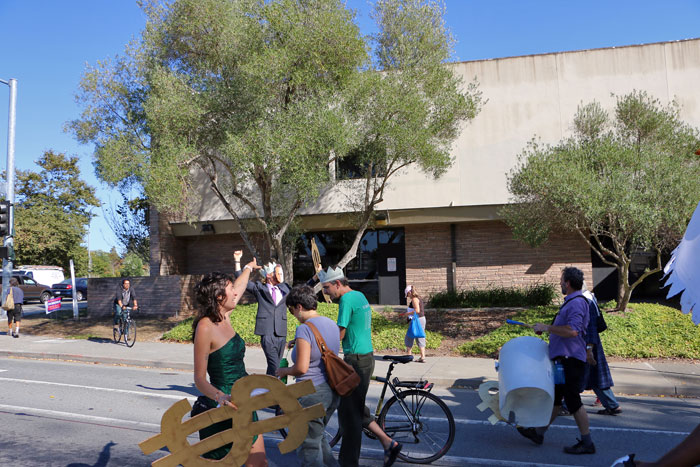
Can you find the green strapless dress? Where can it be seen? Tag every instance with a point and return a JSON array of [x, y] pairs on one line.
[[225, 367]]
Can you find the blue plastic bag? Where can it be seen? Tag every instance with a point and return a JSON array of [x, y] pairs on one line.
[[415, 330]]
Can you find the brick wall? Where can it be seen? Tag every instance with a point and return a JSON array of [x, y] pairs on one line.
[[487, 256], [157, 296], [168, 253]]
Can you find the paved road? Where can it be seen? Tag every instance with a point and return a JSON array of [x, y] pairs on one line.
[[60, 413]]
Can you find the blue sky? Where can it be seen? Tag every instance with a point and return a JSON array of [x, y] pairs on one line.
[[47, 43]]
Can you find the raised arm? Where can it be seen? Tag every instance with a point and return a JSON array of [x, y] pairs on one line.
[[241, 283], [237, 255]]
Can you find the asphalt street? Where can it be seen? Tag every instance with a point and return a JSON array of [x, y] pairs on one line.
[[76, 414]]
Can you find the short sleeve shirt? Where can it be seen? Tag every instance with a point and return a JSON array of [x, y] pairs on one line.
[[573, 312], [331, 335], [355, 315]]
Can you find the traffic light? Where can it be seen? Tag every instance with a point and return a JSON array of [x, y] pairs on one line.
[[4, 218]]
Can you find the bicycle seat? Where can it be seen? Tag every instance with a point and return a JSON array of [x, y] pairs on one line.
[[399, 358]]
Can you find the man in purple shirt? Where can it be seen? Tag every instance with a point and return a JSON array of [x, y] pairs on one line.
[[567, 346]]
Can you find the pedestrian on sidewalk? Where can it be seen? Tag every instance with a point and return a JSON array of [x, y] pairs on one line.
[[567, 347], [314, 451], [416, 308], [598, 377], [14, 315], [355, 323], [271, 318], [219, 352]]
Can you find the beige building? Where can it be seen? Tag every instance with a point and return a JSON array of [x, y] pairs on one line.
[[446, 233]]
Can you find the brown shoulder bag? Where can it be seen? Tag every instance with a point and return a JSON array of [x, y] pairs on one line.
[[342, 378]]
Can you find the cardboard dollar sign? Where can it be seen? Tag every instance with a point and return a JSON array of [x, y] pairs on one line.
[[174, 431]]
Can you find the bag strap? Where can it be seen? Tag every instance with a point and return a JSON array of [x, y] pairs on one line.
[[319, 339]]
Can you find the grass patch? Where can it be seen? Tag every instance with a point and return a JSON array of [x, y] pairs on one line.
[[385, 334], [534, 295], [647, 331]]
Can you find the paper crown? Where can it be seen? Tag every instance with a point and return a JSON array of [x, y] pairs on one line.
[[331, 274], [269, 268]]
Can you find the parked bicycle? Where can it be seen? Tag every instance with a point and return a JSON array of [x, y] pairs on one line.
[[126, 327], [413, 416]]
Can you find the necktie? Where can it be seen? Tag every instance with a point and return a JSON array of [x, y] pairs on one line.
[[274, 294]]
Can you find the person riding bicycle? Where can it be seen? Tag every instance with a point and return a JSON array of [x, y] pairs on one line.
[[125, 297]]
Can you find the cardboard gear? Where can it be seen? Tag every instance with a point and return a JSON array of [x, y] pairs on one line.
[[268, 268], [174, 431], [316, 257]]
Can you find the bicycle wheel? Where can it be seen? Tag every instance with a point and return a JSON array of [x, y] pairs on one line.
[[428, 435], [117, 331], [130, 333]]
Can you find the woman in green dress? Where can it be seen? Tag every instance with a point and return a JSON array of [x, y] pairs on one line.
[[219, 351]]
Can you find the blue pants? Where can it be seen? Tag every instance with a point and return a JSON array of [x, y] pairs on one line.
[[607, 398], [314, 450]]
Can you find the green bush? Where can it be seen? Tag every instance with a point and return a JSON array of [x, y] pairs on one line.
[[647, 331], [534, 295], [385, 334]]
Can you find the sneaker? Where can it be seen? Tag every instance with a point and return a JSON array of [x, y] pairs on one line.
[[597, 403], [15, 334], [531, 434], [580, 448], [564, 412], [607, 411]]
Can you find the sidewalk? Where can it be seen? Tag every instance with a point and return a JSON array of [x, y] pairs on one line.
[[640, 377]]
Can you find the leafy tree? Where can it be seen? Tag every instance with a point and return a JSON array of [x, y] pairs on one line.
[[129, 222], [409, 107], [252, 100], [132, 265], [52, 213], [105, 264], [625, 183]]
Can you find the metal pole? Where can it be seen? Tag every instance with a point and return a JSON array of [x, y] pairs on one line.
[[10, 174]]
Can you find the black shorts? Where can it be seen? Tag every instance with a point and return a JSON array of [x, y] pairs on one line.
[[570, 391], [14, 315]]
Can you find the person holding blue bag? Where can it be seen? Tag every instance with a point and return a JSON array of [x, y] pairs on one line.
[[415, 313]]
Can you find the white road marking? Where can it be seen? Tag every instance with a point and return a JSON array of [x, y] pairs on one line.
[[574, 427], [95, 388], [77, 417]]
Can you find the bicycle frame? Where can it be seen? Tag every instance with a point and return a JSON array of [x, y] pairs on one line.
[[397, 390]]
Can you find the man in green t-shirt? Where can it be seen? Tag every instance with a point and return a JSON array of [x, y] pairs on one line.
[[355, 323]]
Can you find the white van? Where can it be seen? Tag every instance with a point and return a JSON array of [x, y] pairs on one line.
[[46, 275]]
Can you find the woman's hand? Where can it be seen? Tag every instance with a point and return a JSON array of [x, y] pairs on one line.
[[237, 255], [225, 399], [282, 372], [253, 265], [290, 344], [540, 328]]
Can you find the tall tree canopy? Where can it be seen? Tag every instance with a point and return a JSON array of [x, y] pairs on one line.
[[52, 213], [626, 182], [256, 98]]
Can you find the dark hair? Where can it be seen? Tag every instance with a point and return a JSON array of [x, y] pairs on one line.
[[207, 294], [574, 276], [126, 279], [302, 295], [14, 282]]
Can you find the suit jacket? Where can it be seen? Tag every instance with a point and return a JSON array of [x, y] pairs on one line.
[[271, 319]]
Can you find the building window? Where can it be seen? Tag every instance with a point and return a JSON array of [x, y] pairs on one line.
[[362, 271]]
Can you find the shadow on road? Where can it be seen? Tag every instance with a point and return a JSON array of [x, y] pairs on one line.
[[102, 459]]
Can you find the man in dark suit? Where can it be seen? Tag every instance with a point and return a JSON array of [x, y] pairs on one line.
[[271, 319]]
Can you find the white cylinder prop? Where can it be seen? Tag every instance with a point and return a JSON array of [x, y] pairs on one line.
[[525, 382]]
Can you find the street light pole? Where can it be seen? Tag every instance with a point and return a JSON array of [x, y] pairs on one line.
[[8, 241]]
